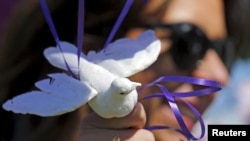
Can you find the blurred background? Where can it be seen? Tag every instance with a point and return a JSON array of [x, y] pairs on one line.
[[230, 107]]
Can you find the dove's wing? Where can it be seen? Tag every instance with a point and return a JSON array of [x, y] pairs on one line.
[[86, 70], [58, 95], [58, 58], [126, 57]]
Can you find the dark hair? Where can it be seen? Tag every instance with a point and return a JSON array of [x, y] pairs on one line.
[[237, 20], [22, 63]]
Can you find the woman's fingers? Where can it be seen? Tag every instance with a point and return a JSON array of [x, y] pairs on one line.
[[136, 119], [128, 128]]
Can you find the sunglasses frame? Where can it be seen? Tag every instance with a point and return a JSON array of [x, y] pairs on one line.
[[190, 44]]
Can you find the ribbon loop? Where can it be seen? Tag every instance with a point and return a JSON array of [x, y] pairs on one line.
[[213, 86]]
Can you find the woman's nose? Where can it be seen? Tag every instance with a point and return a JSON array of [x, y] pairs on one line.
[[212, 68]]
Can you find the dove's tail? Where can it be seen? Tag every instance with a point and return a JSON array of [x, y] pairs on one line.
[[66, 58]]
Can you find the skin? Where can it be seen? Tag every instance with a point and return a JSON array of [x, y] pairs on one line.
[[116, 129], [209, 16], [211, 20]]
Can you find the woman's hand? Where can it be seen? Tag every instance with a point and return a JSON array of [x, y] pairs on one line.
[[129, 128]]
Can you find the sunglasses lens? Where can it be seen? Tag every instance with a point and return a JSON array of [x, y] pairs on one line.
[[189, 45]]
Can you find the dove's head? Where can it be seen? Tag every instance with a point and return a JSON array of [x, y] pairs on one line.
[[123, 86]]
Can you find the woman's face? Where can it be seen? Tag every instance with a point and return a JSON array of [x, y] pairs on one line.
[[208, 15]]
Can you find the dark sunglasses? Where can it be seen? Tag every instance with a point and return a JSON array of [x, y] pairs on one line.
[[189, 45]]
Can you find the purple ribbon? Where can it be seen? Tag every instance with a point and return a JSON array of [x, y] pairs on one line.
[[49, 20], [212, 86], [80, 31], [52, 28], [118, 22]]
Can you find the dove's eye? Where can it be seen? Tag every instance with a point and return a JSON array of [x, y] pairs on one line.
[[123, 93]]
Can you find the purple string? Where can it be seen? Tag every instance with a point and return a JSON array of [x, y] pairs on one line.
[[52, 28], [80, 30], [118, 22], [49, 20], [213, 86]]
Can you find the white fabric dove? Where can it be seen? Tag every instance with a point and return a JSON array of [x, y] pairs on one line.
[[102, 75]]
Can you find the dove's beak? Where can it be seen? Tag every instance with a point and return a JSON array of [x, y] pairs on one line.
[[136, 84]]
